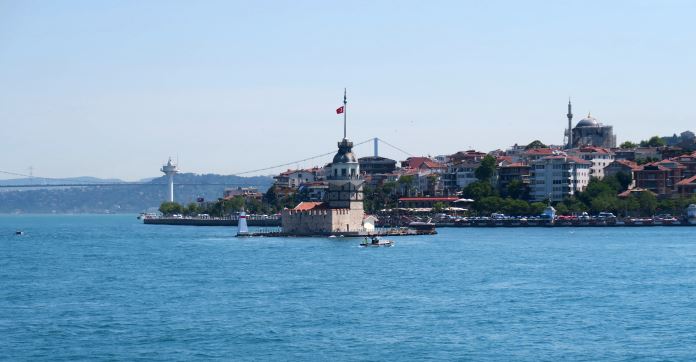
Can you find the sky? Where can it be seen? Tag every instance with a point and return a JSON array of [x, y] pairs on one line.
[[113, 88]]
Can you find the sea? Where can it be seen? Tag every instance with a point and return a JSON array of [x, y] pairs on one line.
[[107, 287]]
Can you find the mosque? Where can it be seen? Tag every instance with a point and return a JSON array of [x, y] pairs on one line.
[[588, 132]]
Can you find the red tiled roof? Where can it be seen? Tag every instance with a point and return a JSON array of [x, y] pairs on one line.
[[687, 181], [539, 151], [309, 205], [627, 163], [568, 158], [628, 193], [594, 149], [418, 162]]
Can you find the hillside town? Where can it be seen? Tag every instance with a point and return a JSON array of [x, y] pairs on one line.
[[588, 173]]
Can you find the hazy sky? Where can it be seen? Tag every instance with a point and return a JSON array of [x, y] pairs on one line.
[[112, 88]]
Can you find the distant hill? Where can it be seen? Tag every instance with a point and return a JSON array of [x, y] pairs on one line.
[[126, 198], [46, 181]]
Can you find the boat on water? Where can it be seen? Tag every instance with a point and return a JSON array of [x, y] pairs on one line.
[[19, 232], [376, 241], [420, 225], [147, 215]]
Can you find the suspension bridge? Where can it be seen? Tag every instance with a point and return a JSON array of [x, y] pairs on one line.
[[50, 182]]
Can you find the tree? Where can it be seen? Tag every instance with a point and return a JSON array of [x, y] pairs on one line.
[[191, 209], [536, 208], [406, 184], [478, 190], [654, 141], [647, 202], [628, 144], [535, 144], [170, 208], [624, 179], [439, 207], [517, 189], [486, 170]]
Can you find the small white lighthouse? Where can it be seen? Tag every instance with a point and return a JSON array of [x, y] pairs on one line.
[[170, 170]]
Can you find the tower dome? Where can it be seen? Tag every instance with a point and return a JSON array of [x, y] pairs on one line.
[[345, 153], [588, 121]]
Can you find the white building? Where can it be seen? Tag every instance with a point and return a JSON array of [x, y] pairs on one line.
[[557, 177], [294, 178], [600, 158], [463, 173]]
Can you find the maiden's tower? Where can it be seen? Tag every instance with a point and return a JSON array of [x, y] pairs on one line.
[[341, 211]]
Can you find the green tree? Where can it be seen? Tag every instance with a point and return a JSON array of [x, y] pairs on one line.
[[478, 190], [486, 170], [406, 184], [536, 208], [628, 144], [647, 202], [535, 144], [439, 207], [654, 141], [170, 208], [517, 189], [191, 209], [624, 179]]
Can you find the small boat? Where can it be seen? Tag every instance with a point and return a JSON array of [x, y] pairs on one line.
[[376, 241], [19, 232]]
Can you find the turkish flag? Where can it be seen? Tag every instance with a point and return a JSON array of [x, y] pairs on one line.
[[339, 110]]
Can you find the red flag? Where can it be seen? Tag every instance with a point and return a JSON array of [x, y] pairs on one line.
[[339, 110]]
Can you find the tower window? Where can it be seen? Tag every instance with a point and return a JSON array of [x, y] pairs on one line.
[[343, 172]]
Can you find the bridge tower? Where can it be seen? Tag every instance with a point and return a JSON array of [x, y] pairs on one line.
[[170, 170]]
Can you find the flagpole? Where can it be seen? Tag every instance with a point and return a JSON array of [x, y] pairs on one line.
[[345, 110]]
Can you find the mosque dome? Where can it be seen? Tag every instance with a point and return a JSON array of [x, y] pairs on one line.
[[588, 121]]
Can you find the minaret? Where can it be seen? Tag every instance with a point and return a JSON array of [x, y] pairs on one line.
[[170, 170], [570, 125]]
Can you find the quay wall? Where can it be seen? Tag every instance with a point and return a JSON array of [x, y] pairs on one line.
[[211, 222]]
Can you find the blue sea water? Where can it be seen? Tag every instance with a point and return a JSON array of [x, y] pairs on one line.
[[110, 288]]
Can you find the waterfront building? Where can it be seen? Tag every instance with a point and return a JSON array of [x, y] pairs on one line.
[[460, 174], [294, 178], [533, 154], [245, 192], [659, 177], [423, 164], [372, 165], [514, 171], [467, 156], [557, 177], [590, 132], [313, 191], [622, 166], [687, 187], [599, 156], [689, 163]]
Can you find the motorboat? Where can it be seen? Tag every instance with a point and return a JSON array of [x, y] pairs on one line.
[[376, 241]]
